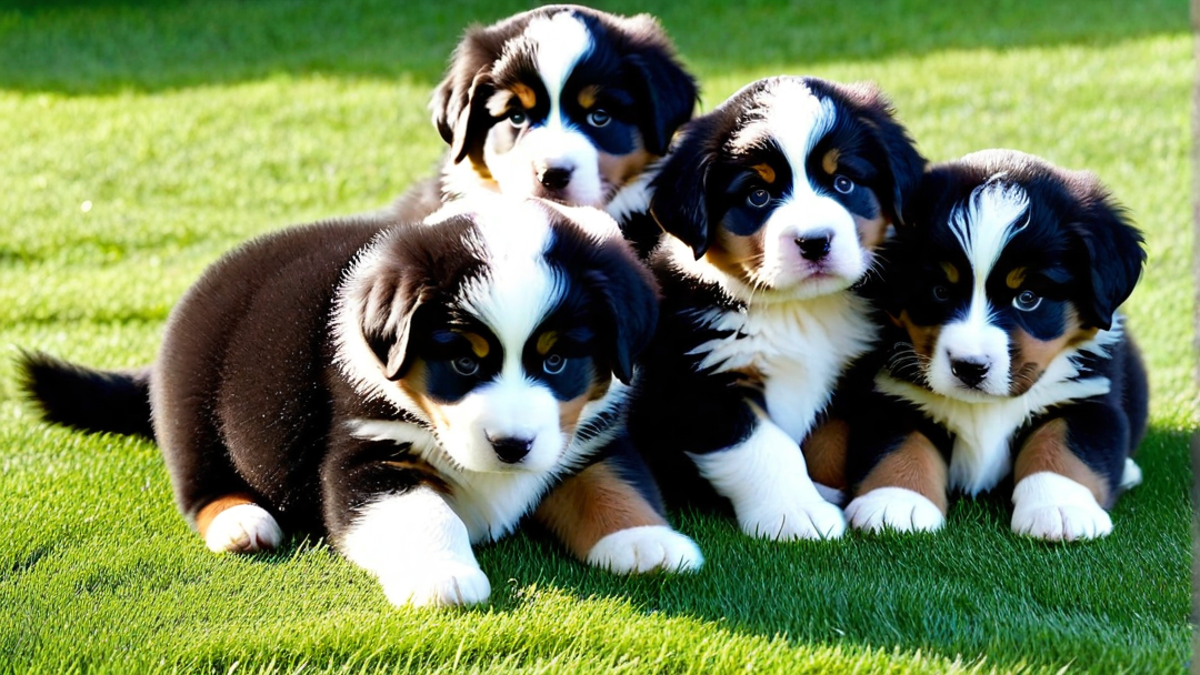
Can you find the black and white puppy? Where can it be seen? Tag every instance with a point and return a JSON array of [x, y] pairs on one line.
[[408, 393], [776, 201], [561, 102], [1007, 357]]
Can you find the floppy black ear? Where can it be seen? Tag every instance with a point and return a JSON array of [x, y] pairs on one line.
[[387, 304], [679, 202], [627, 292], [905, 164], [651, 63], [1111, 250], [459, 103]]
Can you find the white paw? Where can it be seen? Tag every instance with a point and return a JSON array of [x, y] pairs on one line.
[[1056, 508], [900, 509], [644, 549], [815, 519], [1131, 477], [245, 528], [444, 583]]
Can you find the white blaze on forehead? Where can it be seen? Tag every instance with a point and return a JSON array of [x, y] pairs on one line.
[[561, 42], [991, 218], [789, 113]]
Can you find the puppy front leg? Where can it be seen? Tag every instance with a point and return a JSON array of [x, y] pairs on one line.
[[419, 549], [605, 517], [904, 491], [1057, 495], [766, 479]]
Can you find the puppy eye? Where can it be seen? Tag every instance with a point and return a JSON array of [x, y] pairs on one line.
[[465, 366], [843, 184], [1027, 301], [554, 364], [758, 198], [518, 118], [599, 118], [941, 293]]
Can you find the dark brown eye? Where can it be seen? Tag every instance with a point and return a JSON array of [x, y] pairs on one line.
[[1027, 301], [465, 366], [518, 118], [759, 198], [843, 184], [941, 293]]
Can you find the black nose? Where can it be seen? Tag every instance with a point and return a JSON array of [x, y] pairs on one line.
[[815, 245], [511, 450], [970, 371], [555, 177]]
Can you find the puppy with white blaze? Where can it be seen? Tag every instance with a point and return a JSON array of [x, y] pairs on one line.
[[564, 103], [1007, 359], [407, 392], [775, 202]]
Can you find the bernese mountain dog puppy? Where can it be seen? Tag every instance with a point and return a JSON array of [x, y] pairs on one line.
[[564, 103], [407, 393], [776, 201], [1007, 357]]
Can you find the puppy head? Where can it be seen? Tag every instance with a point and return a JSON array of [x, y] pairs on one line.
[[561, 102], [1005, 263], [498, 327], [789, 185]]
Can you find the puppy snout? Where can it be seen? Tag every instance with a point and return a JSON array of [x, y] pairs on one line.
[[555, 177], [815, 245], [970, 370], [511, 449]]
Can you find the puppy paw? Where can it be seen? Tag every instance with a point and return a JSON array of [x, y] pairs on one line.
[[245, 528], [1056, 508], [816, 519], [443, 584], [897, 508], [644, 549]]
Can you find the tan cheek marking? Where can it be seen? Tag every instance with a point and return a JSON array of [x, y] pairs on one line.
[[618, 170], [546, 341], [587, 96], [825, 452], [1015, 278], [568, 414], [871, 233], [412, 385], [1047, 450], [765, 171], [218, 506], [951, 272], [830, 161], [526, 95], [916, 465], [591, 505], [736, 256], [924, 338], [1031, 356]]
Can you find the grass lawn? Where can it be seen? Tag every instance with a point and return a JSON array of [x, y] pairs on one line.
[[140, 140]]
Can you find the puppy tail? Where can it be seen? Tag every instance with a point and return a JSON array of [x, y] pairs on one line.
[[86, 399]]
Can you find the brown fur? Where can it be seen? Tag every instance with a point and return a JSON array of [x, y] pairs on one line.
[[218, 506], [916, 465], [1046, 449], [618, 170], [1031, 356], [871, 233], [830, 161], [734, 255], [587, 96], [924, 338], [825, 452], [765, 171], [591, 505]]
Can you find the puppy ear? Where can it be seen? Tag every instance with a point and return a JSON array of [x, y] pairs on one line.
[[662, 82], [459, 103], [905, 165], [1110, 252], [679, 200], [388, 303], [629, 296]]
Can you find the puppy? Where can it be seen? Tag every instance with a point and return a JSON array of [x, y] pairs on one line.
[[561, 102], [408, 393], [1007, 356], [775, 201]]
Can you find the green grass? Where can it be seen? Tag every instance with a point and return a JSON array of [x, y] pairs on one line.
[[191, 126]]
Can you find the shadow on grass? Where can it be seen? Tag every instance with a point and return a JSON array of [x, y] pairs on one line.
[[77, 47]]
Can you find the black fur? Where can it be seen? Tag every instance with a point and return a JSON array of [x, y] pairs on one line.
[[88, 400]]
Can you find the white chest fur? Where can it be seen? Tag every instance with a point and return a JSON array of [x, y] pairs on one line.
[[798, 347]]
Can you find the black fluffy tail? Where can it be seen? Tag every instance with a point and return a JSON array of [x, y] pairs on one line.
[[87, 399]]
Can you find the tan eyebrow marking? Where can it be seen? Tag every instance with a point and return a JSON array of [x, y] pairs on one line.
[[1015, 278], [588, 95], [526, 95], [479, 344], [765, 170], [951, 272], [546, 341], [830, 161]]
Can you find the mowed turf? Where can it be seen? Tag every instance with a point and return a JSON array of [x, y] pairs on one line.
[[141, 140]]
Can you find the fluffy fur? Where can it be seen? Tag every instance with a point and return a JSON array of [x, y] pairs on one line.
[[1006, 357], [562, 102], [776, 201], [408, 392]]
